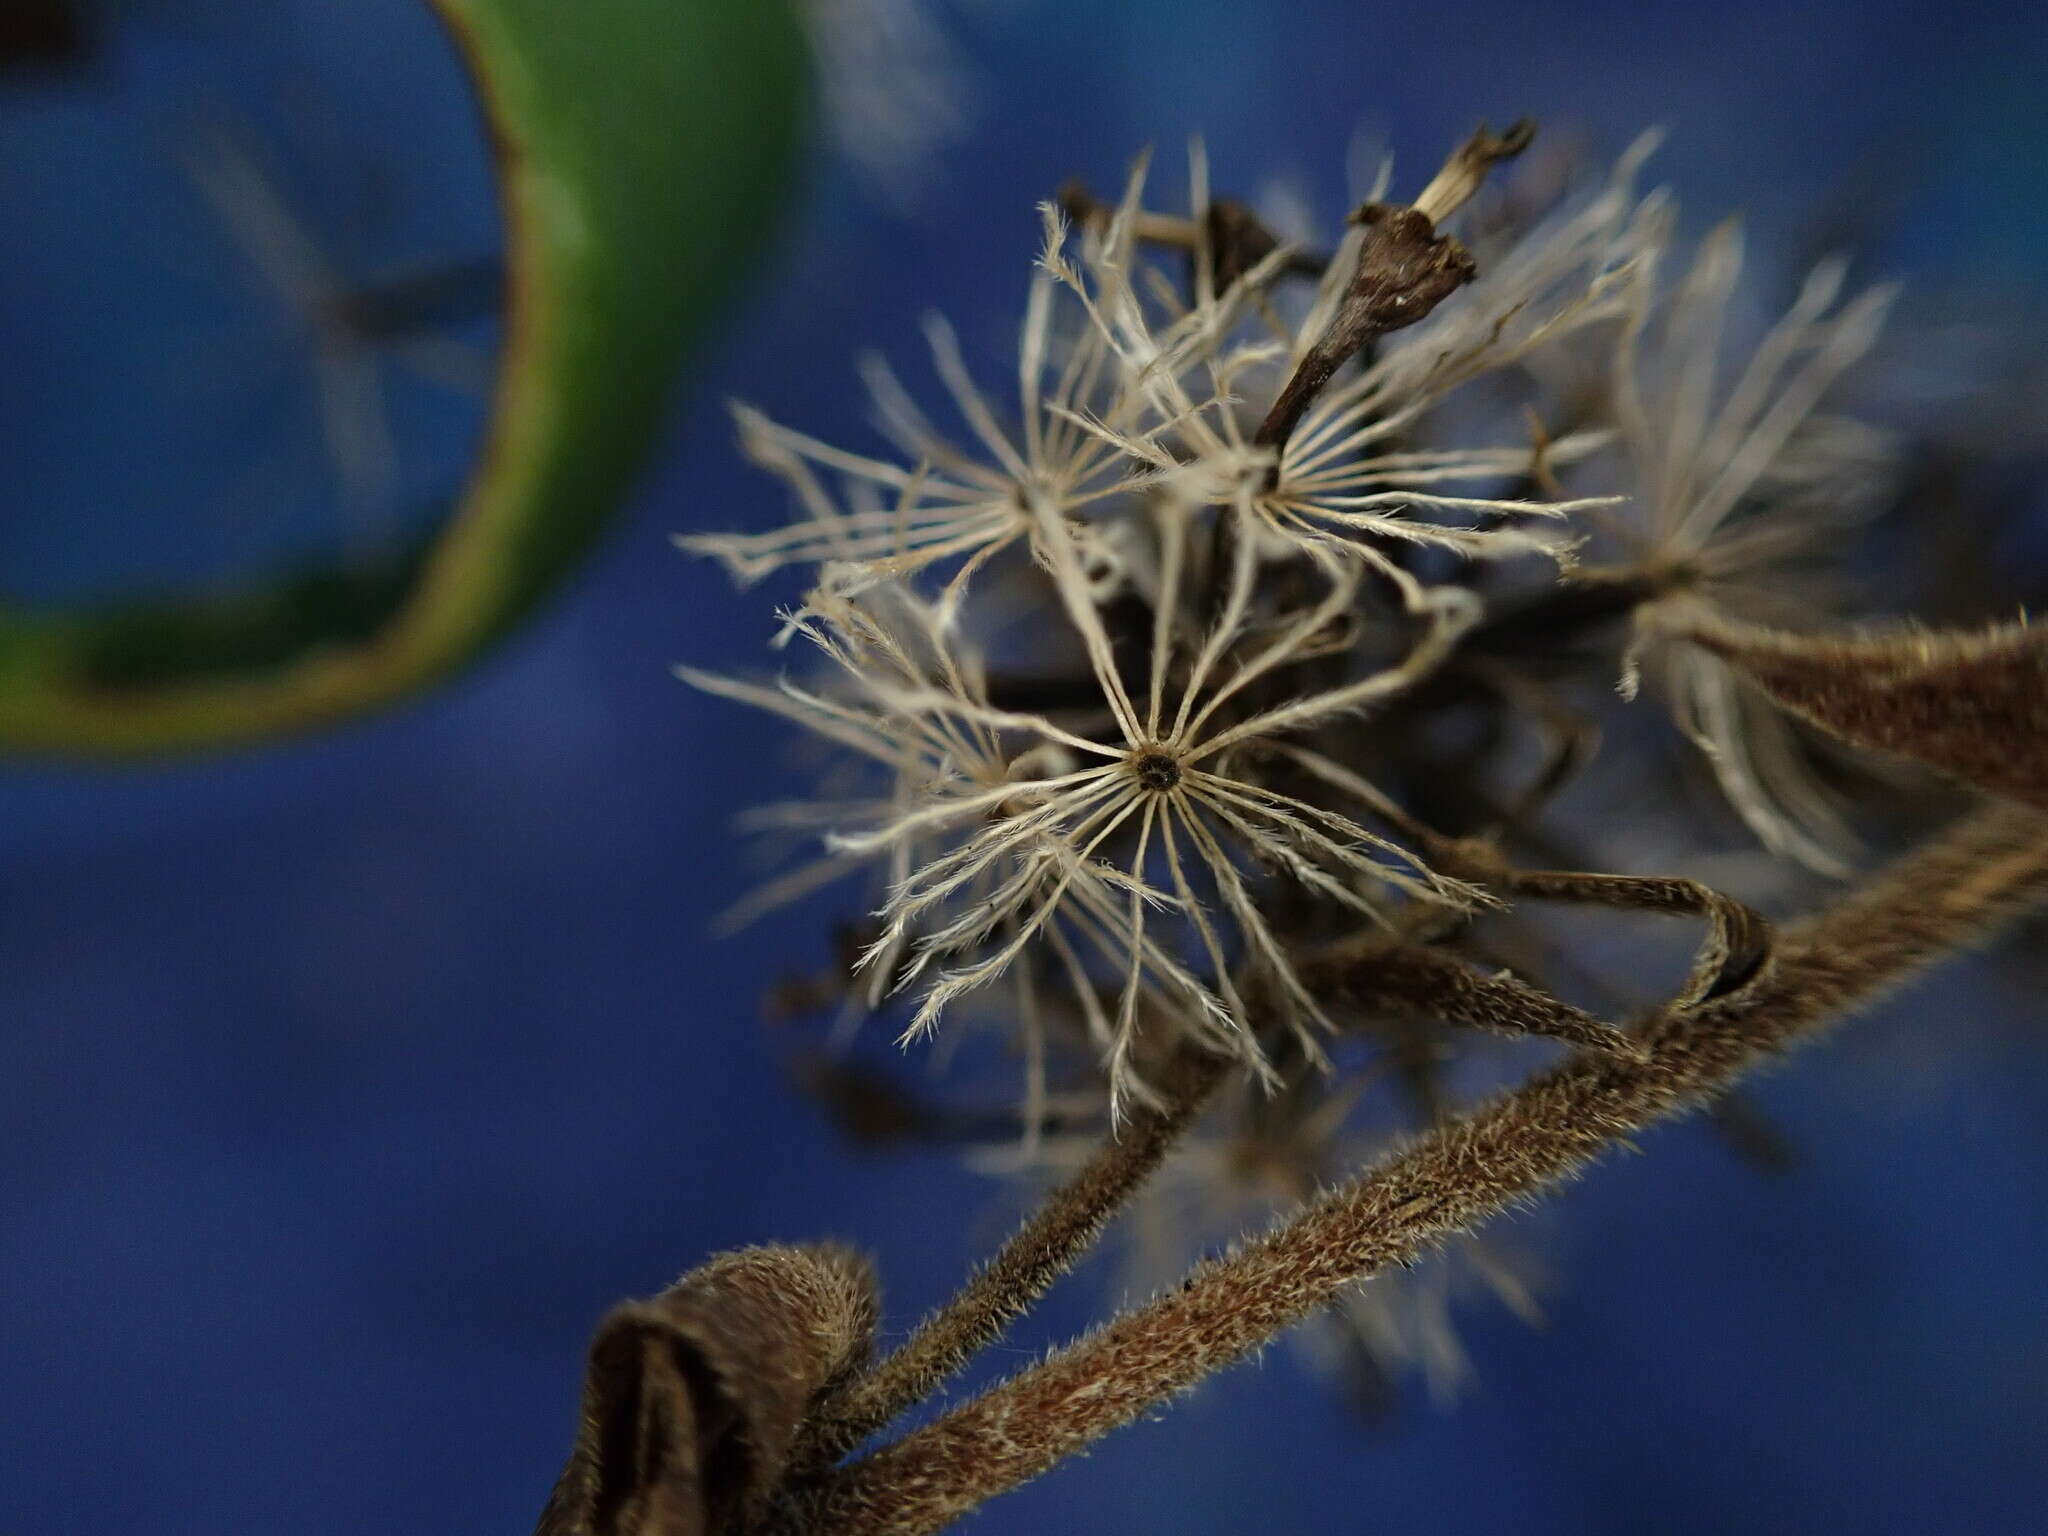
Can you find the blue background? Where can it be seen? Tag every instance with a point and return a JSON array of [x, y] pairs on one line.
[[345, 1083]]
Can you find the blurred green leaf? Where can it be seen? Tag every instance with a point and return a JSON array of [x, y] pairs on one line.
[[642, 147]]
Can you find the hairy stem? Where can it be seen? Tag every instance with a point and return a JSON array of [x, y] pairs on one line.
[[1023, 1270], [1948, 894]]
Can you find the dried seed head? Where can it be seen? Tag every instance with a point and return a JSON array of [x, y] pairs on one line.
[[1156, 769]]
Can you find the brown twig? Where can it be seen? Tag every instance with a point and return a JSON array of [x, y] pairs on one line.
[[1948, 894], [1738, 939]]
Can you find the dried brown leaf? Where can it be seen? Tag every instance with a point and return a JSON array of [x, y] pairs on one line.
[[1971, 705], [693, 1399]]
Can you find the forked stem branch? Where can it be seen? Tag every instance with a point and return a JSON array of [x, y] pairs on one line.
[[1022, 1271], [1949, 893]]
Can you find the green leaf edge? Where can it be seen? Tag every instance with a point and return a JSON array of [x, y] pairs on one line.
[[616, 263]]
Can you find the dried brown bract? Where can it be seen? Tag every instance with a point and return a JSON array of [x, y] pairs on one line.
[[694, 1398], [1971, 705]]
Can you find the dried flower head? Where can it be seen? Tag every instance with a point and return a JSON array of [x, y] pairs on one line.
[[1737, 486], [1001, 823], [1153, 666], [1211, 749]]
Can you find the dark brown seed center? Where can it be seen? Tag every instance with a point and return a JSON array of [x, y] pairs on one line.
[[1157, 771]]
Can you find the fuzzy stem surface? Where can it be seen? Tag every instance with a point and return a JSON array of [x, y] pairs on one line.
[[1990, 865], [1023, 1270]]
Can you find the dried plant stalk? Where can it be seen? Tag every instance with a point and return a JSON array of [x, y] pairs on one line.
[[1946, 895], [1026, 1267]]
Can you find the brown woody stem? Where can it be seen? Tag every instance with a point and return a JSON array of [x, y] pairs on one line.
[[1987, 867], [1022, 1271]]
